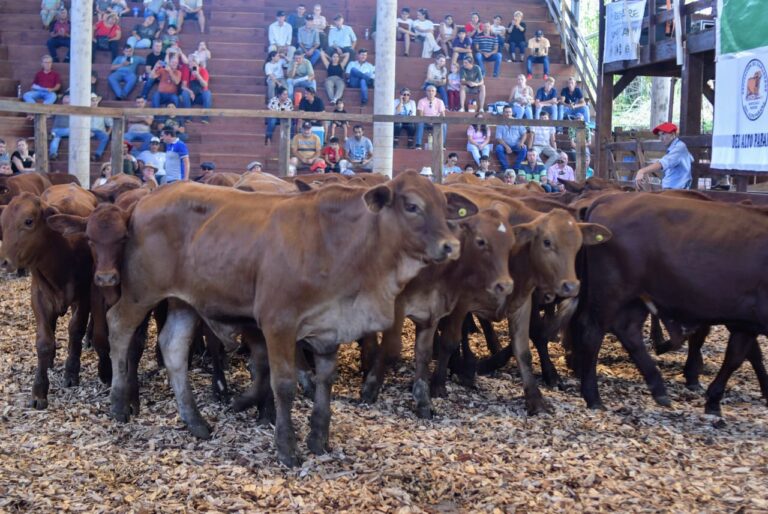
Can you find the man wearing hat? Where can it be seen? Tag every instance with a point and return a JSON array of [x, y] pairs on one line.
[[306, 146], [539, 48], [280, 35], [154, 157], [207, 166], [148, 171], [254, 166], [676, 163]]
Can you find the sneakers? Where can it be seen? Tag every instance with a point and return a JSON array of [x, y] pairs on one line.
[[529, 76], [546, 76], [461, 110]]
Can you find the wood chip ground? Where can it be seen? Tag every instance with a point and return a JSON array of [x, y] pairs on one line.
[[481, 453]]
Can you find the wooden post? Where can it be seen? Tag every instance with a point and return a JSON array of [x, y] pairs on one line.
[[691, 91], [118, 132], [605, 105], [581, 153], [742, 181], [41, 143], [437, 152], [285, 148]]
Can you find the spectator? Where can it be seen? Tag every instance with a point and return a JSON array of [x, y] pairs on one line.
[[546, 100], [319, 22], [144, 33], [155, 8], [156, 55], [176, 157], [192, 9], [140, 127], [560, 170], [48, 11], [123, 78], [405, 31], [300, 74], [106, 36], [484, 170], [130, 164], [521, 98], [539, 48], [279, 103], [479, 140], [168, 76], [173, 122], [511, 138], [544, 141], [170, 38], [194, 87], [4, 156], [468, 168], [101, 8], [333, 154], [359, 150], [500, 31], [430, 106], [101, 128], [59, 130], [545, 185], [473, 27], [148, 173], [334, 81], [451, 165], [361, 74], [280, 36], [154, 157], [445, 34], [253, 167], [297, 20], [572, 134], [202, 54], [425, 31], [312, 103], [572, 101], [60, 35], [487, 49], [5, 168], [461, 46], [23, 159], [341, 39], [532, 169], [340, 125], [104, 173], [275, 73], [118, 8], [516, 37], [45, 84], [306, 146], [437, 75], [171, 14], [454, 87], [404, 106], [308, 42], [471, 82]]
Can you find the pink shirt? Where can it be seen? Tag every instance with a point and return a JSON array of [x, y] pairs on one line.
[[476, 135], [434, 108]]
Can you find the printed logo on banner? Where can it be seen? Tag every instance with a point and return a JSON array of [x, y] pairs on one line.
[[754, 89]]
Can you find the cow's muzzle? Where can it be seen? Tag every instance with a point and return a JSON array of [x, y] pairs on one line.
[[109, 278]]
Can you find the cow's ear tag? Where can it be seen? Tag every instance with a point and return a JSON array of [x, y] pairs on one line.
[[599, 237], [462, 212]]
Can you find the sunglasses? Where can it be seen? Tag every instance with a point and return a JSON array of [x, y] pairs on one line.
[[406, 94]]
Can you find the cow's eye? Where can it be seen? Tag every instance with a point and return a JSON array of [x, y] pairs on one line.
[[547, 243], [411, 207], [480, 242], [29, 222]]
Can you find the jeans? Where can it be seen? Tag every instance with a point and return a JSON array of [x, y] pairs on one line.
[[360, 79], [410, 129], [58, 133], [553, 111], [476, 152], [293, 84], [522, 112], [135, 42], [159, 16], [573, 111], [271, 124], [519, 47], [203, 98], [55, 43], [144, 137], [546, 151], [116, 77], [113, 50], [496, 58], [420, 133], [537, 60], [148, 85], [271, 86], [440, 91], [334, 87], [31, 97], [163, 99], [312, 58], [103, 139], [501, 154]]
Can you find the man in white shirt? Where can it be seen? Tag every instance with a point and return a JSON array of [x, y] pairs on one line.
[[280, 36], [341, 39], [154, 157], [361, 73], [192, 9]]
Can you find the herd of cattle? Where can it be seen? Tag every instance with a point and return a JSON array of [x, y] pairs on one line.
[[290, 269]]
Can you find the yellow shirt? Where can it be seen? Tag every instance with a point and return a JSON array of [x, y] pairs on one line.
[[542, 45]]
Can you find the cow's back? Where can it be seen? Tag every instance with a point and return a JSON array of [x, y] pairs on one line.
[[70, 199]]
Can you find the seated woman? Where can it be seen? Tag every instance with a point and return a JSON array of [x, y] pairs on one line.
[[521, 98], [425, 31], [437, 75], [446, 33], [479, 140]]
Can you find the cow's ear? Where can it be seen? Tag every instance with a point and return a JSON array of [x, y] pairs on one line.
[[459, 206], [67, 224], [127, 212], [302, 186], [48, 210], [378, 197], [524, 233], [4, 190], [572, 186], [594, 234]]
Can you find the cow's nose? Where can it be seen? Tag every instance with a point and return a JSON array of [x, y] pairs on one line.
[[450, 249], [106, 278], [503, 287], [569, 288]]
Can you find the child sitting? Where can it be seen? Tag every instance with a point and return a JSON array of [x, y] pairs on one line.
[[454, 87], [338, 125], [332, 155]]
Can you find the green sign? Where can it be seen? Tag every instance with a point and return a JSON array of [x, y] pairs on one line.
[[743, 25]]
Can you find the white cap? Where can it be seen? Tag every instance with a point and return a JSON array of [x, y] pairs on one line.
[[426, 171]]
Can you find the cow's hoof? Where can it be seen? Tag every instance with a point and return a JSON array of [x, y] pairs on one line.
[[71, 380], [713, 410], [663, 400], [122, 417], [696, 387], [317, 444], [596, 406], [105, 374], [220, 393], [307, 384], [536, 406], [242, 403], [38, 403], [289, 459], [424, 412], [201, 430], [438, 390], [370, 392]]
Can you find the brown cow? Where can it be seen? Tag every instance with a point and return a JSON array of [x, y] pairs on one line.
[[115, 186], [70, 199], [58, 177], [324, 267], [263, 182], [17, 184], [221, 178]]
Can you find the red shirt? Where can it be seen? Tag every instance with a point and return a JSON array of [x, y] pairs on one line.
[[49, 80], [166, 84], [187, 76], [331, 155], [101, 29]]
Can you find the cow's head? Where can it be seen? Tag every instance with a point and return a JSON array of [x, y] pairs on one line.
[[555, 238], [25, 233], [417, 210], [7, 191], [106, 230]]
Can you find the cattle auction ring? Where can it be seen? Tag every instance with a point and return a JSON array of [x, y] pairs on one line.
[[480, 453]]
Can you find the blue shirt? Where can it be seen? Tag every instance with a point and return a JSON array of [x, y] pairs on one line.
[[511, 134], [572, 97], [174, 163], [342, 37], [130, 69], [543, 96], [366, 68], [677, 166], [453, 169]]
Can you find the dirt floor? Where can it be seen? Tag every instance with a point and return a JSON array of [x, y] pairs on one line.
[[480, 453]]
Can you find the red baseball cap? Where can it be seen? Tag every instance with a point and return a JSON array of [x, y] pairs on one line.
[[318, 164], [666, 128]]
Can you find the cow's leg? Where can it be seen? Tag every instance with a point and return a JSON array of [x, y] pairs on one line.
[[628, 327], [491, 338], [450, 337], [45, 342], [657, 335], [538, 333], [519, 320], [425, 337], [281, 350], [320, 422], [369, 346], [259, 393], [755, 357], [160, 313], [582, 344], [123, 319], [386, 355], [100, 335], [215, 349], [78, 324], [304, 372], [694, 363], [739, 346]]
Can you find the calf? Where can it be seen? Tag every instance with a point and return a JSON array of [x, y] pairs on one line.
[[58, 177], [17, 184], [115, 186]]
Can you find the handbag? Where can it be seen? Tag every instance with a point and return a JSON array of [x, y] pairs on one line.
[[102, 42]]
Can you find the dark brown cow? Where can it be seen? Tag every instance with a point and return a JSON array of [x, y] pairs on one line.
[[689, 260], [115, 186], [61, 279], [324, 267], [58, 177], [17, 184]]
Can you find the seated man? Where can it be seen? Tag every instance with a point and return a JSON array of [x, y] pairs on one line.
[[192, 9], [560, 170], [404, 106], [341, 39], [306, 146], [361, 73], [281, 102], [124, 69], [300, 74], [546, 100], [154, 157], [59, 129], [168, 77], [194, 87], [532, 169], [487, 49], [101, 127], [430, 106], [144, 33], [60, 35], [461, 46], [359, 150], [511, 138], [280, 35], [544, 142], [156, 55], [140, 127], [572, 102], [155, 8], [5, 169], [539, 54], [451, 165], [472, 81], [47, 81], [308, 41]]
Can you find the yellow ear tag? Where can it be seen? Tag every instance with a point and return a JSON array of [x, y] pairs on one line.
[[462, 212], [599, 237]]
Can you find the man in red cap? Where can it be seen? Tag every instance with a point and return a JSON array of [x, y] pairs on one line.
[[676, 164]]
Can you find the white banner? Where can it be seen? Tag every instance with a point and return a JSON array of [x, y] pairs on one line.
[[623, 22], [740, 135]]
